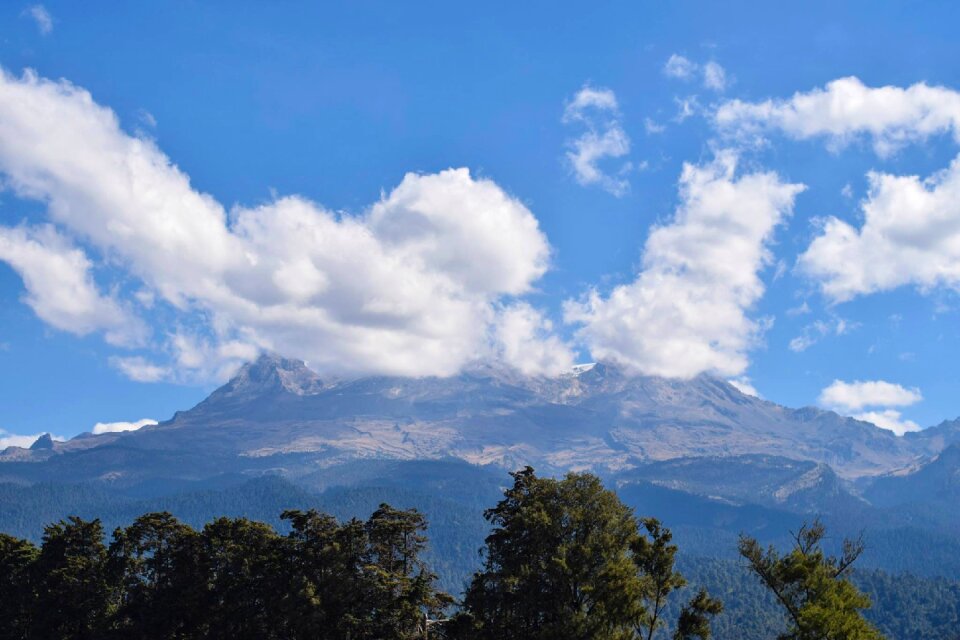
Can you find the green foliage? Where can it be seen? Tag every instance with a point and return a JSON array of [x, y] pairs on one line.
[[235, 579], [566, 560], [695, 617], [17, 591], [73, 593], [821, 603]]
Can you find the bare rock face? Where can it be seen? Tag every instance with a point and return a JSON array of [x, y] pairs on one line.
[[42, 443], [276, 415]]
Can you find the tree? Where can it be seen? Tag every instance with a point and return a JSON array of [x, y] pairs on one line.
[[566, 559], [73, 594], [694, 620], [821, 603], [242, 561], [654, 557], [17, 589], [401, 587], [155, 563]]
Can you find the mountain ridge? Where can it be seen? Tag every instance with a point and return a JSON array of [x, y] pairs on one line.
[[276, 413]]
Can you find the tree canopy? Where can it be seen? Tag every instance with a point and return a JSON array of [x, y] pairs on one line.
[[567, 559]]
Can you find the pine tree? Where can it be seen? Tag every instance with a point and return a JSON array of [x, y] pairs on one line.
[[820, 602], [17, 586], [73, 593]]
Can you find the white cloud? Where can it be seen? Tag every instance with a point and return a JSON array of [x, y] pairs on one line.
[[910, 235], [745, 386], [854, 396], [41, 17], [139, 369], [714, 76], [846, 110], [147, 118], [603, 138], [686, 108], [889, 419], [527, 342], [801, 310], [651, 126], [678, 66], [686, 312], [590, 98], [8, 439], [60, 288], [871, 401], [114, 427], [815, 331], [412, 286]]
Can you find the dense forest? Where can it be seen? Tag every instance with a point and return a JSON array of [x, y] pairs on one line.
[[562, 559]]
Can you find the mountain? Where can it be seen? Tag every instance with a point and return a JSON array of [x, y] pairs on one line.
[[277, 416]]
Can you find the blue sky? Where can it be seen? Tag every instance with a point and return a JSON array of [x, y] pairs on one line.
[[359, 112]]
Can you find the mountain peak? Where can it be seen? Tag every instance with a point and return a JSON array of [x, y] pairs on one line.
[[43, 442], [272, 373]]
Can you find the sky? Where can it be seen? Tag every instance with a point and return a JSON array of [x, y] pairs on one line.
[[764, 193]]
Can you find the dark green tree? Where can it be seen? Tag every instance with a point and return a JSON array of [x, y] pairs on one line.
[[655, 559], [245, 579], [73, 593], [566, 559], [402, 589], [327, 593], [155, 563], [821, 603], [17, 587], [695, 617]]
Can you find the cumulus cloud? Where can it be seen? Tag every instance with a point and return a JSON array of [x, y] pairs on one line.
[[845, 110], [910, 235], [854, 396], [60, 287], [115, 427], [686, 312], [8, 439], [528, 344], [39, 14], [412, 286], [872, 401], [603, 138]]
